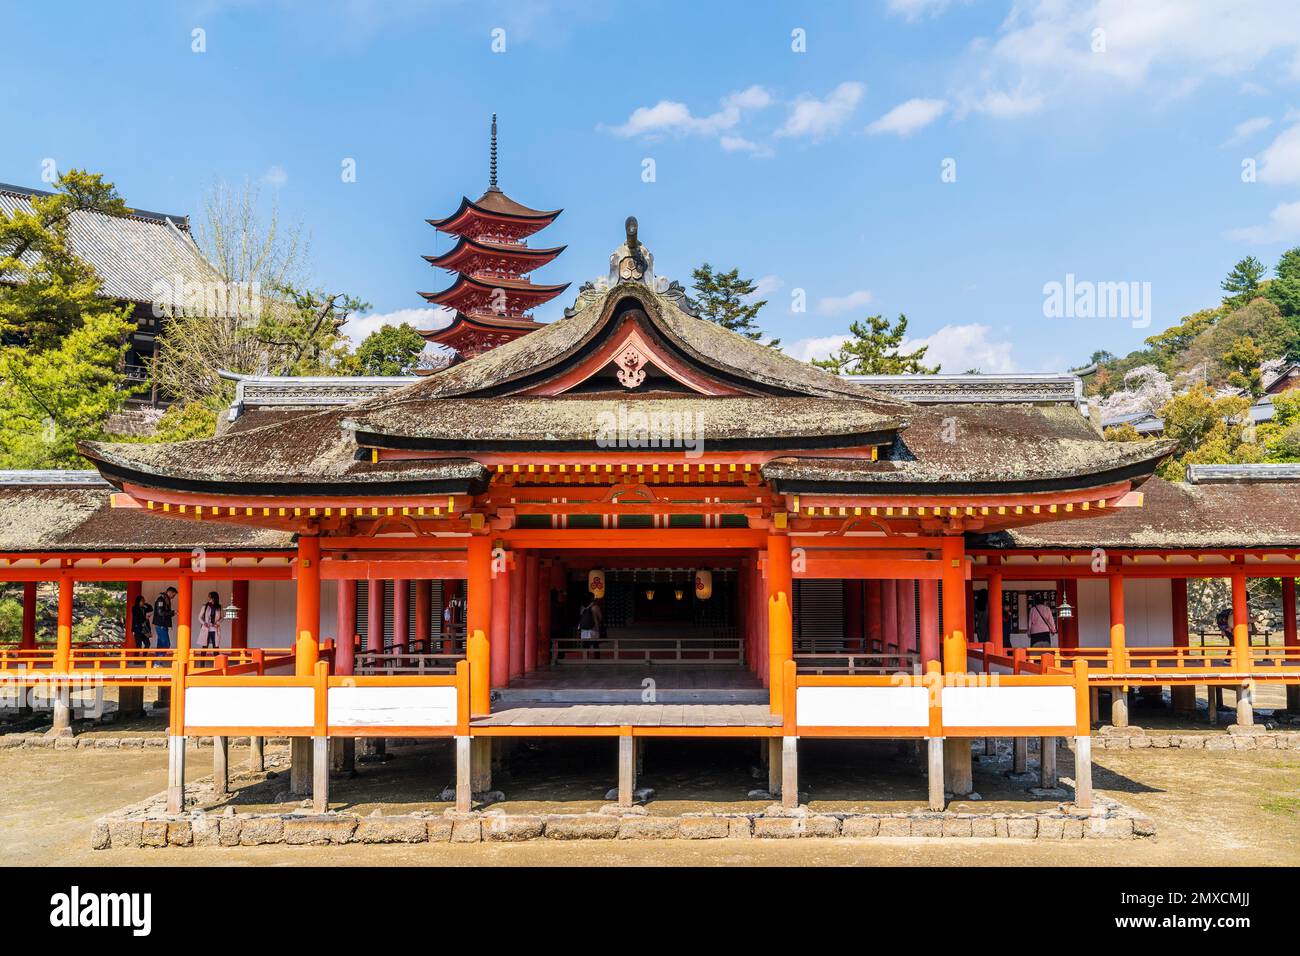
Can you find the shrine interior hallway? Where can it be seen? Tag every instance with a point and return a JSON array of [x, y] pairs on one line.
[[638, 683]]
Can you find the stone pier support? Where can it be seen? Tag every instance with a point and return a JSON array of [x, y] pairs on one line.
[[221, 766], [1182, 697], [62, 703], [1215, 697], [1246, 704], [957, 766], [773, 745], [1047, 762], [320, 777], [1019, 754], [1083, 772], [1293, 698], [343, 754], [789, 771], [1094, 704], [481, 764], [130, 702], [175, 774], [257, 754], [626, 770], [464, 774], [1118, 707], [934, 766], [300, 749]]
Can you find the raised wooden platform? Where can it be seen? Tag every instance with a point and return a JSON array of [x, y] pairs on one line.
[[614, 716]]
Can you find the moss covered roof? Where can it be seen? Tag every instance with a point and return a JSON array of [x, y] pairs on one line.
[[1174, 516]]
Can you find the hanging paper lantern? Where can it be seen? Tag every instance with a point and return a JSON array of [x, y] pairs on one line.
[[703, 585], [596, 583]]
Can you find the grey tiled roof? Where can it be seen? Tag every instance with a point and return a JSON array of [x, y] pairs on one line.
[[132, 253]]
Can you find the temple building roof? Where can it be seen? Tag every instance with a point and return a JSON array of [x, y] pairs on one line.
[[1228, 515], [72, 511]]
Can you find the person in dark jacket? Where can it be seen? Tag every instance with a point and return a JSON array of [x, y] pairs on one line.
[[162, 618], [140, 612]]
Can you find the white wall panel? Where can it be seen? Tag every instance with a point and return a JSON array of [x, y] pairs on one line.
[[862, 706], [251, 707], [1008, 706], [392, 706]]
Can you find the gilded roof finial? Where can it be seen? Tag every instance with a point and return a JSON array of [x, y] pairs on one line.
[[492, 168]]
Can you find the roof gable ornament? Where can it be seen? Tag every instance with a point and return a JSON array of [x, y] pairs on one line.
[[632, 261]]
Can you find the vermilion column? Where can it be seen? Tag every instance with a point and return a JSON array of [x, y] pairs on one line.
[[401, 614], [239, 626], [184, 615], [1240, 621], [874, 635], [1289, 638], [29, 616], [954, 604], [423, 612], [478, 623], [906, 616], [889, 615], [1178, 610], [499, 633], [530, 611], [543, 609], [374, 615], [929, 621], [517, 583], [63, 636], [995, 613], [345, 627], [133, 590], [780, 616], [1117, 652], [307, 616]]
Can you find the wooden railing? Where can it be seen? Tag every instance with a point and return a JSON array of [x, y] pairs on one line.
[[1219, 661], [137, 662], [856, 663], [397, 662], [657, 650]]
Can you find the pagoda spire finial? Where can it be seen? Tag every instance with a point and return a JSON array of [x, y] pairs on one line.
[[492, 166]]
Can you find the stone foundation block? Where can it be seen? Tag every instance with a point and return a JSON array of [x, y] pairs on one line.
[[390, 830], [703, 828], [895, 827], [859, 827], [466, 830], [649, 828], [586, 826], [512, 829], [927, 827], [740, 828], [439, 830], [1051, 828], [319, 830], [1022, 828], [261, 831], [821, 827], [180, 833], [778, 828], [125, 833], [229, 830], [958, 827], [982, 827]]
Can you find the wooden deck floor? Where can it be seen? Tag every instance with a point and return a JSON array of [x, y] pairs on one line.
[[637, 715]]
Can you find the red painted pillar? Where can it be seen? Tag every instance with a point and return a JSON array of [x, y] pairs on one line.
[[1072, 595], [995, 613], [307, 615], [479, 593], [1178, 610], [133, 590], [544, 589], [423, 614], [345, 627], [63, 635], [929, 621], [530, 590], [1116, 594], [852, 615], [889, 615], [29, 616], [401, 615], [517, 575], [907, 616], [374, 615], [499, 634], [954, 604], [239, 626], [780, 616], [1289, 637], [1240, 621], [874, 640]]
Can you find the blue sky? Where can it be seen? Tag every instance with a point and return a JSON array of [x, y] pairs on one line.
[[1102, 139]]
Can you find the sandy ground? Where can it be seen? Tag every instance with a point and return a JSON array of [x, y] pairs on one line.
[[1210, 808]]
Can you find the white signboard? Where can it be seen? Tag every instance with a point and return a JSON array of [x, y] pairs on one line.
[[862, 706], [392, 706], [1008, 706], [250, 707]]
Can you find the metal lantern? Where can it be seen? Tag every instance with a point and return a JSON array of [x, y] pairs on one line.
[[232, 610], [679, 594], [650, 594], [1064, 611], [596, 582], [704, 585]]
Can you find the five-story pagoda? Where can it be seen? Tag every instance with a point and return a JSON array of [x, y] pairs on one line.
[[492, 295]]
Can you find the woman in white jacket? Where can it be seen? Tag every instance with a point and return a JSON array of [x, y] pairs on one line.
[[210, 617]]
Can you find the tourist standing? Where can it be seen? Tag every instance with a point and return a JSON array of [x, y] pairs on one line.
[[140, 612], [1042, 624], [210, 617], [162, 618]]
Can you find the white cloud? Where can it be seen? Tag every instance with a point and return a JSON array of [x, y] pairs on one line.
[[764, 286], [671, 117], [809, 349], [738, 144], [1279, 163], [956, 348], [816, 118], [1283, 226], [906, 118], [839, 304], [1248, 128], [358, 327], [919, 9], [275, 177]]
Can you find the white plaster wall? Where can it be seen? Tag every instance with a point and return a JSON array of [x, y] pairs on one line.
[[1094, 613], [1148, 614]]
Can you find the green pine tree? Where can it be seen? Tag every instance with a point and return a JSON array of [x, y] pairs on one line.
[[1242, 283], [723, 298], [873, 349]]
